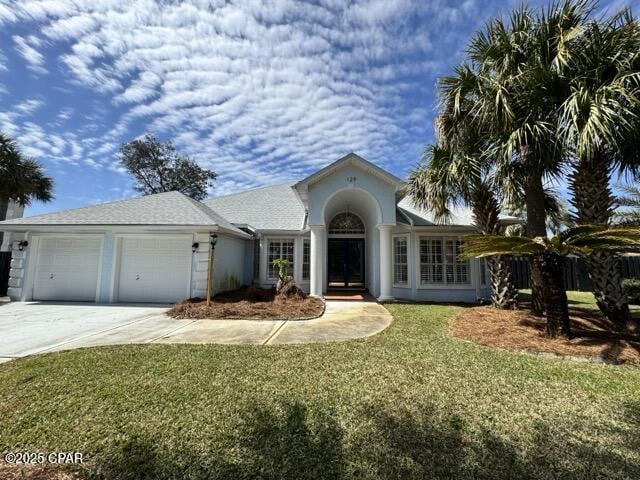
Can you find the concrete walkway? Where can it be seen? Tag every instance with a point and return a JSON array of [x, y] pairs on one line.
[[341, 321], [31, 328]]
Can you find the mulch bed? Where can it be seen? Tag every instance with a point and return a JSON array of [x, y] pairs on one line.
[[249, 303], [593, 336]]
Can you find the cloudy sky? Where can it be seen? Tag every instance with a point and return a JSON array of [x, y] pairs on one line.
[[259, 91]]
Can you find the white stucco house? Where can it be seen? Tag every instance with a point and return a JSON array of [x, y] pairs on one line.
[[13, 211], [346, 226]]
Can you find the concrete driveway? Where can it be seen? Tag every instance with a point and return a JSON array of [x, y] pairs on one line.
[[28, 328], [34, 327]]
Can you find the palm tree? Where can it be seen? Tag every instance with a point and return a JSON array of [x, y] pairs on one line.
[[583, 241], [556, 211], [446, 179], [514, 86], [599, 122], [23, 179], [630, 215]]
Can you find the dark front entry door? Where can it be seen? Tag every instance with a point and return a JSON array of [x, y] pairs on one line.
[[346, 263]]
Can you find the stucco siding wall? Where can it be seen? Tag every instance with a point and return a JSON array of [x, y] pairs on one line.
[[228, 267], [14, 211], [18, 268], [247, 274]]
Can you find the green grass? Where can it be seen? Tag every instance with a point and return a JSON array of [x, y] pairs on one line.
[[580, 300], [408, 403]]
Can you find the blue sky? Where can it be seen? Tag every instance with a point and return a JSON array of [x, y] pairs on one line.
[[259, 91]]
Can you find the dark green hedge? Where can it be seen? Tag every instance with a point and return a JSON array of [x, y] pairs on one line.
[[631, 289]]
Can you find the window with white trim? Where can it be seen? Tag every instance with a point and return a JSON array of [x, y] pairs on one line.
[[306, 259], [440, 264], [279, 249], [483, 272], [400, 260]]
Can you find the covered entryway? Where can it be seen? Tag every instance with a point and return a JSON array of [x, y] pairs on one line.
[[346, 267], [154, 270], [351, 185], [67, 269]]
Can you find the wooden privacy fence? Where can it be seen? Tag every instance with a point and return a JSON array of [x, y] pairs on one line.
[[5, 263], [575, 275]]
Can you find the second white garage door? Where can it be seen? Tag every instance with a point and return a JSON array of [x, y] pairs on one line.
[[154, 270]]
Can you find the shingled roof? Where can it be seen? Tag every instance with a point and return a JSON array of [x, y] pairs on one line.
[[269, 208], [170, 209]]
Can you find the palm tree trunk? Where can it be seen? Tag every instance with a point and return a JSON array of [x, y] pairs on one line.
[[538, 302], [556, 295], [4, 208], [503, 293], [486, 212], [594, 203], [536, 225], [605, 272]]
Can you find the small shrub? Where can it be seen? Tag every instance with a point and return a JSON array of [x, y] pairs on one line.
[[283, 273], [631, 289]]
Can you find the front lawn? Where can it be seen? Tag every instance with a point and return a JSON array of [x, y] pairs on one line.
[[408, 403]]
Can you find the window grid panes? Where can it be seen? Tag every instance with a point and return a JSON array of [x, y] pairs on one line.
[[431, 262], [400, 263], [346, 223], [279, 249], [306, 256], [439, 262]]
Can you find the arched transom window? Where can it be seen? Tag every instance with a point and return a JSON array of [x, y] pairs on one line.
[[346, 223]]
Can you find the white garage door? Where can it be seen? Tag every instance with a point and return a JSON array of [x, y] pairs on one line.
[[67, 269], [154, 270]]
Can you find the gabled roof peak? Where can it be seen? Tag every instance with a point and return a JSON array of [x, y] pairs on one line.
[[350, 159]]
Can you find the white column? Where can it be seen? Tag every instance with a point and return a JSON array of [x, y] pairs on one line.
[[317, 239], [385, 263]]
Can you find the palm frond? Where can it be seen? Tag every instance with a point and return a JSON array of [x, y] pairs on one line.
[[490, 245]]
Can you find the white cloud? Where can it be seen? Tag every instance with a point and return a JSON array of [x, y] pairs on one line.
[[65, 113], [34, 58], [3, 62], [258, 90], [27, 107]]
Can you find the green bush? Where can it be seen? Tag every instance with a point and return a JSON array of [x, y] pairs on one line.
[[631, 289]]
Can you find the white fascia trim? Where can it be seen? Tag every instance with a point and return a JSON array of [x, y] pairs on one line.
[[281, 232], [73, 228], [444, 229]]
